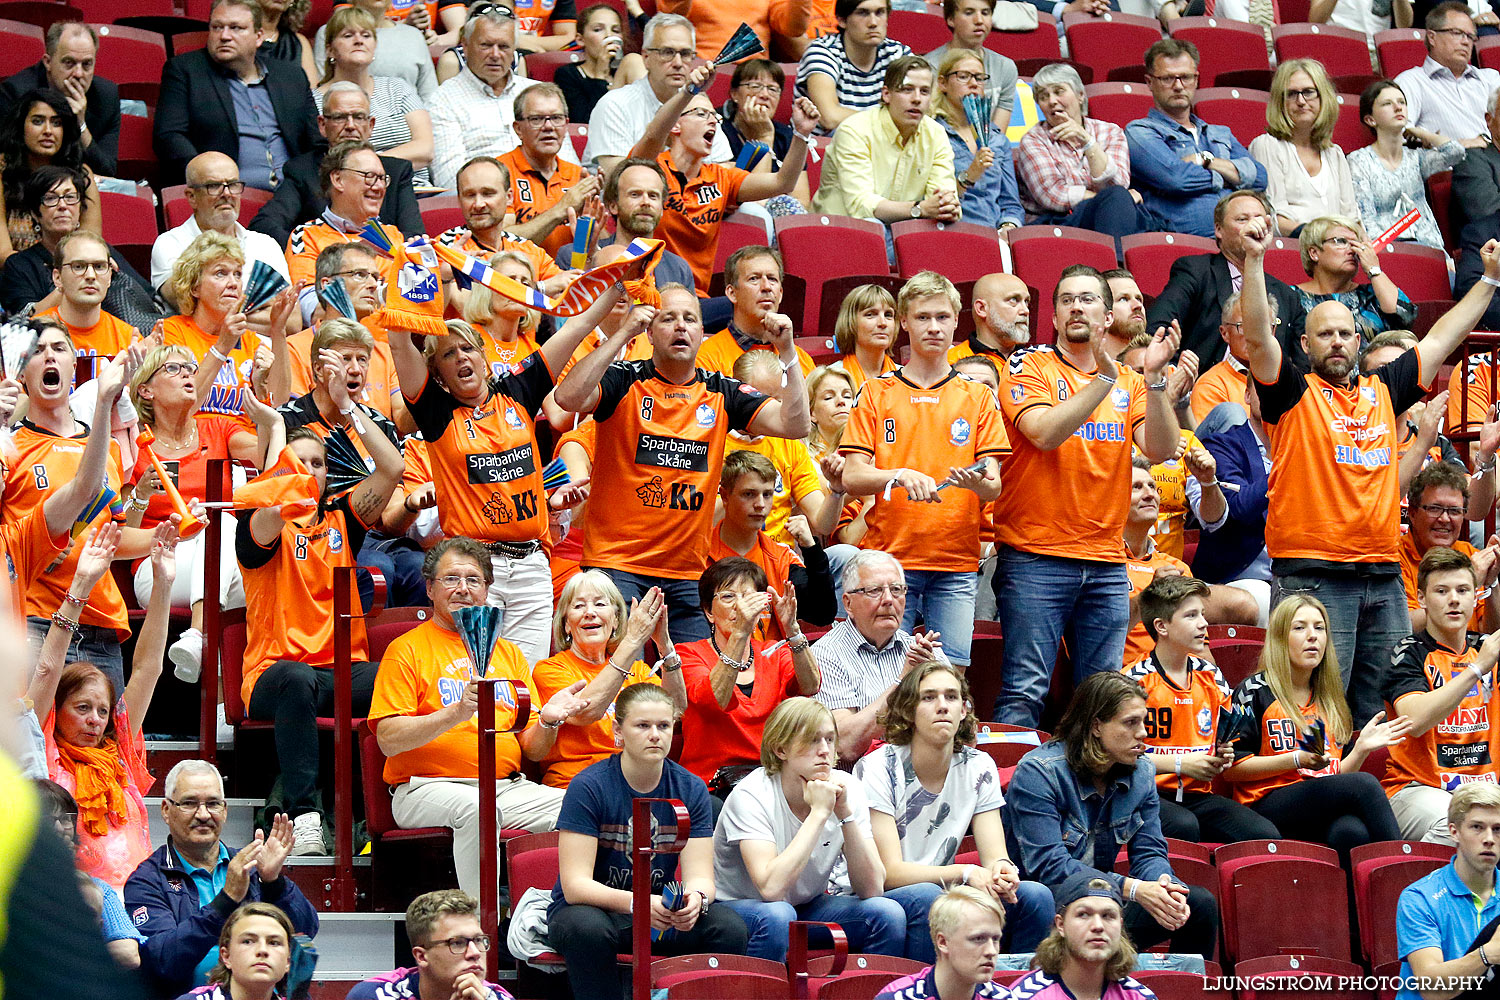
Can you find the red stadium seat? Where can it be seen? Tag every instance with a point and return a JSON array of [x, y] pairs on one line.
[[41, 13], [1244, 111], [130, 55], [137, 160], [922, 31], [820, 247], [1380, 872], [1284, 261], [823, 351], [1007, 744], [21, 45], [106, 11], [1039, 254], [983, 673], [1149, 256], [1440, 199], [858, 986], [1243, 633], [1224, 46], [188, 41], [542, 66], [1226, 856], [1400, 49], [1178, 985], [1265, 971], [739, 229], [1349, 133], [819, 145], [1120, 103], [892, 965], [1237, 660], [579, 133], [129, 220], [531, 862], [1488, 51], [1253, 896], [964, 251], [1342, 51], [1114, 39], [1040, 42], [440, 212], [1419, 271], [836, 289]]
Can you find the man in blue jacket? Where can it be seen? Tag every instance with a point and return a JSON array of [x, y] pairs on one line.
[[181, 895]]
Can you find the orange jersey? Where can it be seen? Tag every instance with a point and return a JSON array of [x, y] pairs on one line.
[[1276, 732], [775, 559], [532, 195], [1476, 387], [638, 348], [796, 478], [1411, 559], [416, 469], [714, 736], [1456, 750], [1069, 502], [1333, 489], [485, 462], [1171, 486], [506, 356], [380, 378], [310, 238], [289, 591], [579, 746], [567, 555], [1138, 642], [43, 462], [690, 224], [104, 339], [659, 449], [459, 238], [425, 670], [719, 352], [1181, 720], [28, 547], [226, 395], [972, 345], [849, 365], [1223, 383], [900, 425]]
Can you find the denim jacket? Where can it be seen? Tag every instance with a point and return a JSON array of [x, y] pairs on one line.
[[1058, 825], [1184, 194]]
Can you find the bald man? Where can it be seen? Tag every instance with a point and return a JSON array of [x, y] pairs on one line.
[[214, 189], [1001, 305]]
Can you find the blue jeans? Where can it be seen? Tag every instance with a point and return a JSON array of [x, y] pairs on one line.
[[946, 601], [399, 560], [1041, 599], [91, 644], [684, 616], [1027, 921], [1367, 616], [875, 926], [1111, 211], [838, 557]]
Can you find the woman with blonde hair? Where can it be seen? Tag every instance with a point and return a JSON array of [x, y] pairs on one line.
[[255, 954], [1294, 763], [1334, 248], [600, 642], [986, 176], [401, 50], [830, 397], [1307, 175], [507, 327], [865, 335]]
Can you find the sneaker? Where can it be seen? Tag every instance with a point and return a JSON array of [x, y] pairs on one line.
[[224, 734], [307, 835], [187, 655]]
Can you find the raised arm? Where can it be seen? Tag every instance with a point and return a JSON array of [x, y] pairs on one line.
[[757, 187], [787, 416], [659, 130], [578, 392], [151, 641], [93, 562], [561, 345], [1158, 436], [1261, 345], [66, 502], [1457, 323]]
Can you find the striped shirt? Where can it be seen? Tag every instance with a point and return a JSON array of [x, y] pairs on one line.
[[855, 88], [391, 100], [854, 671]]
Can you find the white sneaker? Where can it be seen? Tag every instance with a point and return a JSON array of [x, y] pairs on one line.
[[224, 735], [187, 655], [307, 836]]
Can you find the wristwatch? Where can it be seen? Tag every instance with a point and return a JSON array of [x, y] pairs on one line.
[[916, 210], [1205, 158]]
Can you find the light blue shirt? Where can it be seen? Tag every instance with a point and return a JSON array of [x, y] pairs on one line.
[[1437, 911], [263, 152], [995, 197], [208, 884]]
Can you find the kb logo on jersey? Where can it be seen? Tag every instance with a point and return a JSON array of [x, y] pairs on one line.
[[958, 431], [1121, 398], [512, 419]]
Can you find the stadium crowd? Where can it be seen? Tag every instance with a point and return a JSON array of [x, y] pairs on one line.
[[806, 582]]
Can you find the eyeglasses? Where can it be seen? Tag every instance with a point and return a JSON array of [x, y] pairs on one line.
[[897, 590], [707, 114], [1338, 241], [340, 117], [371, 178], [493, 9], [1459, 32], [459, 945], [1179, 80], [968, 76], [1438, 511], [1082, 299], [727, 597], [1306, 94], [217, 188], [82, 267], [190, 807], [359, 274], [539, 121], [179, 367], [453, 582], [1275, 322], [52, 200], [756, 87], [671, 55]]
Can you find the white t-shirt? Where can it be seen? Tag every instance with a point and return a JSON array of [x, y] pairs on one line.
[[931, 826], [757, 809]]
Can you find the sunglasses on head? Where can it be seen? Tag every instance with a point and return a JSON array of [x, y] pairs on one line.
[[489, 7]]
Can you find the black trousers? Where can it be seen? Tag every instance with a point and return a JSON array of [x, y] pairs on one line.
[[589, 938], [1343, 811], [1202, 816], [1196, 937], [293, 695]]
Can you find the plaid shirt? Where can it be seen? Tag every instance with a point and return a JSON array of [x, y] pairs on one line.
[[1054, 176]]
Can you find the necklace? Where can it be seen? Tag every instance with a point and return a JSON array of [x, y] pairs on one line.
[[749, 663], [186, 444]]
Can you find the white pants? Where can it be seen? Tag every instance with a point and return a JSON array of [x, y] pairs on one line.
[[454, 802], [1422, 813], [1261, 591], [523, 591], [187, 589]]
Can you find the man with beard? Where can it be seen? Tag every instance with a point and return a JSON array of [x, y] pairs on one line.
[[1072, 414], [180, 896], [635, 196], [1129, 311], [1333, 528], [1001, 305], [1088, 953]]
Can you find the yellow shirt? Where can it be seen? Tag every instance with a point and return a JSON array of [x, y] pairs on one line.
[[796, 478], [1171, 483], [868, 163]]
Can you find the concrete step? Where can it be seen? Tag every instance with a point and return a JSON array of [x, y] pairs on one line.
[[357, 945]]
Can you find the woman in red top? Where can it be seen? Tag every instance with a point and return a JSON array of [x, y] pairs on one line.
[[1297, 687], [734, 682]]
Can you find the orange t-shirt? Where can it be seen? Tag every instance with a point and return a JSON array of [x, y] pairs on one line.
[[485, 462], [226, 396], [659, 449], [459, 238], [579, 746], [42, 463], [714, 736], [1476, 388], [1334, 493], [1411, 559], [425, 670], [1179, 720], [567, 555], [1138, 642], [104, 339], [900, 425], [690, 224], [532, 195], [1456, 750], [28, 547], [289, 591], [972, 345], [1069, 502], [380, 379], [719, 352], [1223, 383], [849, 365], [1276, 732]]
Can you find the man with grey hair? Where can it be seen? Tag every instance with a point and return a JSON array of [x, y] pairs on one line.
[[621, 116], [474, 112], [181, 895], [863, 657], [547, 188], [1447, 94], [1001, 304], [68, 67]]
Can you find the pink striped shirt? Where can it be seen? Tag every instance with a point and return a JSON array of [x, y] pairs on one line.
[[1055, 177]]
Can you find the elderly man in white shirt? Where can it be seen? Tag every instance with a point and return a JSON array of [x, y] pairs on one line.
[[1447, 94], [621, 116]]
